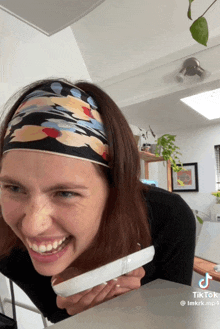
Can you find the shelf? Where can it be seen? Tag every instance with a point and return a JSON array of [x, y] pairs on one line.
[[150, 157]]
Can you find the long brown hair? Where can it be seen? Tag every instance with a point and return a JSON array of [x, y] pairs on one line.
[[125, 219]]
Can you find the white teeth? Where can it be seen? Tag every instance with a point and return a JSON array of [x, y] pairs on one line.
[[29, 244], [43, 248], [35, 247], [49, 247]]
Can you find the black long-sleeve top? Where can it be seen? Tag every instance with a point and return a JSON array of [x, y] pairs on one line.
[[173, 230]]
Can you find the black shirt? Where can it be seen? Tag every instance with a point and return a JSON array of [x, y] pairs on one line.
[[173, 230]]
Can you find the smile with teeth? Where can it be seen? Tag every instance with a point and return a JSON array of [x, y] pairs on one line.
[[50, 248]]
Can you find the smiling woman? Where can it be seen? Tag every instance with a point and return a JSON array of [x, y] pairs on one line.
[[43, 209], [72, 201], [58, 106]]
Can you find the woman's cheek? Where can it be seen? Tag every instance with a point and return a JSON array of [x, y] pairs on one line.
[[11, 210]]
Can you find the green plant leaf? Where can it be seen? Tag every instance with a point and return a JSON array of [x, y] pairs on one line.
[[180, 182], [189, 10], [199, 220], [169, 150], [199, 31], [217, 194], [177, 169]]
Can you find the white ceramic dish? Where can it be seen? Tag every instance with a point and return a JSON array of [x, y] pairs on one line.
[[104, 273]]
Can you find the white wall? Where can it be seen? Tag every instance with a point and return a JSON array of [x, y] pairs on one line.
[[197, 145]]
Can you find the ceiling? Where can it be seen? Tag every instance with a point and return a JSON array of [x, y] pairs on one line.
[[134, 52], [49, 16], [168, 114], [120, 36]]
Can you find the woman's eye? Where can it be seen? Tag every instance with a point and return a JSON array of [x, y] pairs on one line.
[[66, 194], [11, 188]]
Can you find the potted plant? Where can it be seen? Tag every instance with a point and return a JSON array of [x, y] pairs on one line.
[[215, 209], [198, 217], [217, 195], [166, 148]]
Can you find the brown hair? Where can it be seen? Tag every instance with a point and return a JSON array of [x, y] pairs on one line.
[[125, 220]]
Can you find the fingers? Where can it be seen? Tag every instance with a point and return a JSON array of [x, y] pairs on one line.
[[116, 291], [139, 272], [62, 302], [125, 283], [129, 282], [91, 297], [82, 301], [101, 296]]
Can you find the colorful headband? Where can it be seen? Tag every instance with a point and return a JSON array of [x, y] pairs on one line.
[[61, 119]]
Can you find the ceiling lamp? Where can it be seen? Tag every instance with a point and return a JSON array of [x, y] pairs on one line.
[[191, 67]]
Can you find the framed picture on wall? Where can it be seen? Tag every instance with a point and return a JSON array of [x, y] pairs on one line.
[[189, 177]]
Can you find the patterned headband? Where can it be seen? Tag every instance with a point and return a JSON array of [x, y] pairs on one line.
[[60, 119]]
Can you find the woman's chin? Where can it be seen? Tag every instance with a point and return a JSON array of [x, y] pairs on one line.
[[53, 264], [48, 270]]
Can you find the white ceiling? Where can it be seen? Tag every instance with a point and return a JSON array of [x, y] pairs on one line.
[[123, 36], [167, 114], [49, 16], [134, 51]]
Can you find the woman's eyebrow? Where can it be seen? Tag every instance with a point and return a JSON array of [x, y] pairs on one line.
[[61, 186], [7, 179]]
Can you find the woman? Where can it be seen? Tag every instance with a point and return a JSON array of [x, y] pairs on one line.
[[71, 197]]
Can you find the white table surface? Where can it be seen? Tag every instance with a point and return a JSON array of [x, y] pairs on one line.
[[155, 305]]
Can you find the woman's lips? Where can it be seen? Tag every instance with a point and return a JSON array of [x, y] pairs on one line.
[[40, 240], [49, 258]]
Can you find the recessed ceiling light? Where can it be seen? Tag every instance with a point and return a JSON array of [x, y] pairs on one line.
[[207, 103]]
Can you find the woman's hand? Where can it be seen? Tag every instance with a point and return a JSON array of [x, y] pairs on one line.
[[84, 300]]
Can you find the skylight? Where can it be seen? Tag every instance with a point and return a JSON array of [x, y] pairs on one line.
[[207, 103]]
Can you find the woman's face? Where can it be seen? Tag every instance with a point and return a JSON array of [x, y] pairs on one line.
[[46, 198]]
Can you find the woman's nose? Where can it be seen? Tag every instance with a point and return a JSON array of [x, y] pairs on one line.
[[37, 218]]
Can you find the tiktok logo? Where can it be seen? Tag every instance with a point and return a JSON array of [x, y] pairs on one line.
[[204, 283]]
